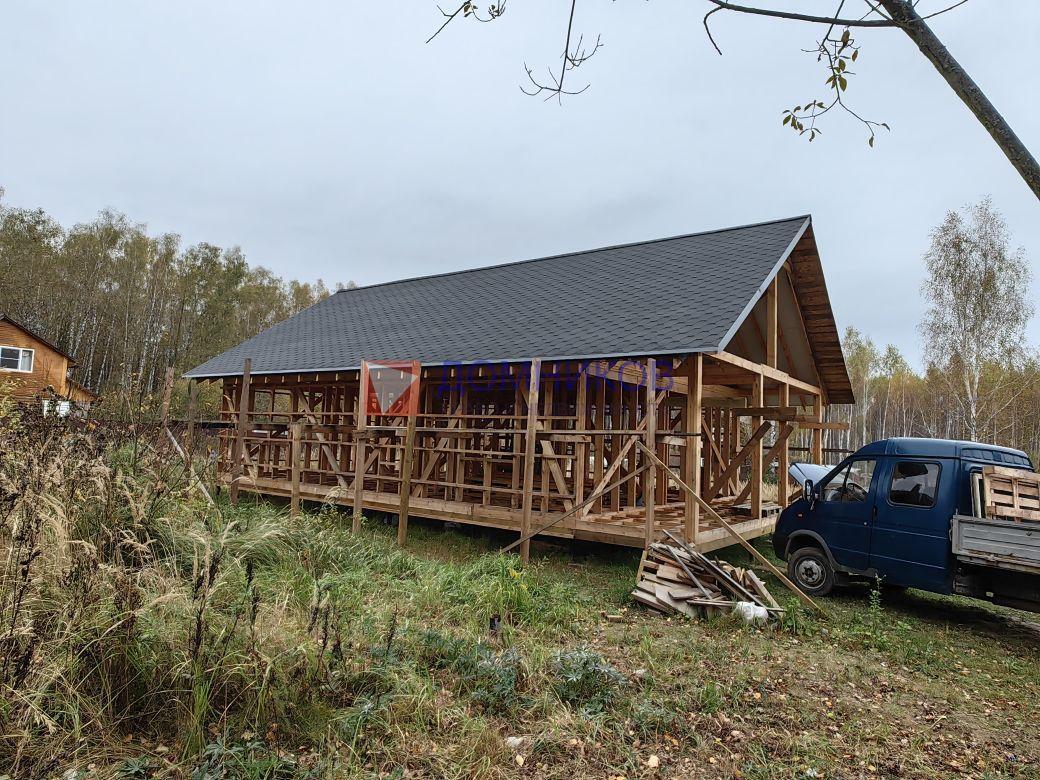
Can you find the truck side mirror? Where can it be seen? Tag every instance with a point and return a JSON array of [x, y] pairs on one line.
[[809, 491]]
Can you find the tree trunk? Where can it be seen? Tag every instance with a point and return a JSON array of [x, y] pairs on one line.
[[904, 14]]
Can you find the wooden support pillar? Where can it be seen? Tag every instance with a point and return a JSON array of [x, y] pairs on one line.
[[772, 330], [189, 433], [581, 449], [406, 481], [295, 459], [166, 393], [757, 399], [783, 458], [359, 448], [530, 451], [694, 399], [650, 475], [241, 429], [817, 434]]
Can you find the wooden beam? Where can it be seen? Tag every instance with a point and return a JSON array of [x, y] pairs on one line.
[[359, 448], [769, 372], [529, 455], [771, 323], [817, 431], [738, 460], [649, 479], [295, 457], [240, 430], [783, 457], [691, 509], [406, 481], [781, 412], [757, 466]]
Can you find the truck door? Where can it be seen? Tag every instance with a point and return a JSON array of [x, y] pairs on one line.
[[910, 542], [842, 513]]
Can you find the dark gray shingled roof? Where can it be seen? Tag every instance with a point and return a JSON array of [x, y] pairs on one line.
[[673, 295]]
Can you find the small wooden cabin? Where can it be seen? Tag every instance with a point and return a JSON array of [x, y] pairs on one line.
[[543, 381], [33, 370]]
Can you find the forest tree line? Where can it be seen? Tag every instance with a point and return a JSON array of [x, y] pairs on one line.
[[981, 378], [127, 304]]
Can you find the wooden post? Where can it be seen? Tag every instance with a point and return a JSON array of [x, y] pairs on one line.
[[295, 458], [694, 399], [241, 430], [771, 323], [581, 450], [166, 393], [189, 433], [406, 481], [529, 455], [817, 434], [650, 477], [359, 446], [783, 458], [758, 397]]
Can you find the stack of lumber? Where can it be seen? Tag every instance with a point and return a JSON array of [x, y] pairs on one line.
[[676, 578], [1011, 494]]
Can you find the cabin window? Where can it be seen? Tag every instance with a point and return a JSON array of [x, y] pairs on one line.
[[914, 483], [852, 484], [16, 359]]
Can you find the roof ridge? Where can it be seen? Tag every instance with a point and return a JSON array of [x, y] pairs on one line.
[[559, 255]]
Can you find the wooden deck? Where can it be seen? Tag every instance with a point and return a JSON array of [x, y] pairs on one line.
[[625, 527]]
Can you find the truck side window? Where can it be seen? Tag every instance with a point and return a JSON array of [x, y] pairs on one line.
[[851, 484], [914, 483]]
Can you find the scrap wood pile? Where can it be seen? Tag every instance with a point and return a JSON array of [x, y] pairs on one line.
[[674, 579]]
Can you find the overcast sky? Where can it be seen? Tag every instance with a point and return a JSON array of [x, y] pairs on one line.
[[327, 140]]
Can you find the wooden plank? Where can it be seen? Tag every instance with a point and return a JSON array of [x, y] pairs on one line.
[[757, 464], [783, 456], [406, 482], [359, 447], [771, 323], [740, 539], [649, 479], [768, 371], [295, 456], [529, 456], [738, 460], [691, 509]]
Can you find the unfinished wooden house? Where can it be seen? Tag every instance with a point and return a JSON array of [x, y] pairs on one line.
[[546, 385]]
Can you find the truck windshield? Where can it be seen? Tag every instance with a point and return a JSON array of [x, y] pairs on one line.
[[851, 484]]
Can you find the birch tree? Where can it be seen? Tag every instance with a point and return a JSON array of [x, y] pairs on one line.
[[977, 291]]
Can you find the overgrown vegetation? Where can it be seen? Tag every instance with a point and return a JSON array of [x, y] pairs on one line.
[[146, 634]]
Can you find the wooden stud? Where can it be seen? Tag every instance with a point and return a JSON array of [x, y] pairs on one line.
[[359, 448], [783, 460], [771, 323], [691, 509], [406, 481], [529, 456], [649, 478], [817, 433], [756, 453], [295, 457]]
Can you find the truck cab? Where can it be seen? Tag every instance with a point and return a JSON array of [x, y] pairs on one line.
[[886, 512]]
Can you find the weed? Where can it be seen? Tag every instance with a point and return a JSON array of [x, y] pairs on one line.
[[584, 679]]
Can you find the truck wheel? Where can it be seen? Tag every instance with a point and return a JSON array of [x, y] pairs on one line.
[[811, 570]]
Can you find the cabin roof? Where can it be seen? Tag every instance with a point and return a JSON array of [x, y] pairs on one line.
[[676, 295], [37, 337]]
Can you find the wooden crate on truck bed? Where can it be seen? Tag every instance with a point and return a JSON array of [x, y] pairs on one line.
[[1011, 494]]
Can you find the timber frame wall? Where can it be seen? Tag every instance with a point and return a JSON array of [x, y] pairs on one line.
[[523, 446]]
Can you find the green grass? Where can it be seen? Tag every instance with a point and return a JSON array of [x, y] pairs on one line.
[[160, 638]]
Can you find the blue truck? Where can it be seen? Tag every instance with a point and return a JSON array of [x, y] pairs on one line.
[[910, 513]]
